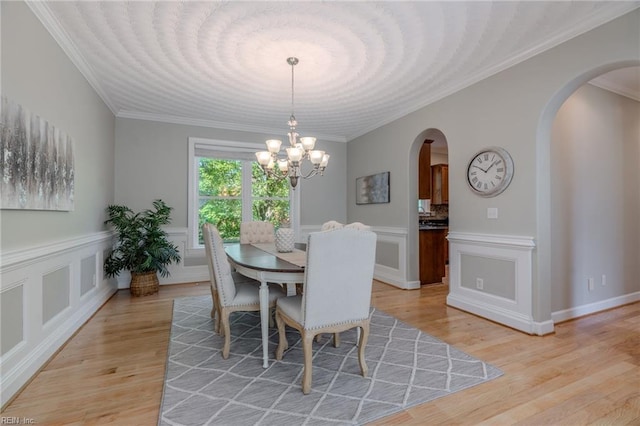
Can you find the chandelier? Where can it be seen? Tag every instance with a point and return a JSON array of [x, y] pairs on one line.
[[298, 152]]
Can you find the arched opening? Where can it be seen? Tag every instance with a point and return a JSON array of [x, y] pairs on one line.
[[556, 180], [431, 206]]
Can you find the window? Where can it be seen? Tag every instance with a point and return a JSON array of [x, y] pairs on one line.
[[227, 186]]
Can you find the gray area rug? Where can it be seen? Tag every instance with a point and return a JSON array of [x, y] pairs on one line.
[[406, 367]]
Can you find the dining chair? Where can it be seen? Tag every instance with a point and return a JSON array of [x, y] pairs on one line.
[[230, 293], [331, 225], [359, 226], [257, 232], [336, 293]]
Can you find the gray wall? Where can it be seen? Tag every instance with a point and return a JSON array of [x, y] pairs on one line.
[[595, 204], [510, 109], [151, 162], [38, 75]]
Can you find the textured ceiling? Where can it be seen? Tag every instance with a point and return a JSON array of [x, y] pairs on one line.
[[362, 64]]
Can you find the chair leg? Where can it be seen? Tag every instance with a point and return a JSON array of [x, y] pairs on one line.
[[307, 341], [215, 305], [282, 342], [364, 336], [336, 340], [227, 334]]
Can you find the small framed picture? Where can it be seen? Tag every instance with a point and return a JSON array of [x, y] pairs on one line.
[[373, 189]]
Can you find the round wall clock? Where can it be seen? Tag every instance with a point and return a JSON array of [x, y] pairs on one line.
[[490, 172]]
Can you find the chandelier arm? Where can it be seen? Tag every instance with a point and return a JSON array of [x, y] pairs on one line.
[[311, 173]]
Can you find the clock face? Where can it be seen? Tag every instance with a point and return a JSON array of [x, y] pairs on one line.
[[490, 172]]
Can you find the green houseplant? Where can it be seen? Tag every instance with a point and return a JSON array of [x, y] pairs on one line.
[[142, 247]]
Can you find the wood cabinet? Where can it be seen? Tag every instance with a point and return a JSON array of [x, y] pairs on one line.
[[424, 171], [433, 252], [440, 184]]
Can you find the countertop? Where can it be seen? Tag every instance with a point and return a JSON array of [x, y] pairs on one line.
[[433, 227]]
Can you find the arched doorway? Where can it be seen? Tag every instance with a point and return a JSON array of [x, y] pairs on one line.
[[542, 299], [431, 205]]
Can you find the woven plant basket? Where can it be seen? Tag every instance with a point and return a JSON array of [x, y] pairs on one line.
[[144, 284]]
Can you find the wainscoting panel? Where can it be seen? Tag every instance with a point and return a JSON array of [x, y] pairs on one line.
[[11, 317], [45, 299], [391, 255], [504, 266], [55, 293], [88, 267]]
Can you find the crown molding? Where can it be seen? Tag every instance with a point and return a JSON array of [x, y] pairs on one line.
[[612, 86], [164, 118], [43, 13], [594, 21]]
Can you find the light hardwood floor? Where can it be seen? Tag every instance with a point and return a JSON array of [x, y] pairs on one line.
[[588, 372]]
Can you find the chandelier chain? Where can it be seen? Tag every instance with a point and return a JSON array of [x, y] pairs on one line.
[[292, 105]]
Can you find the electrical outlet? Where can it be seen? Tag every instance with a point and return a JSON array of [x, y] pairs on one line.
[[590, 283], [479, 283], [604, 280]]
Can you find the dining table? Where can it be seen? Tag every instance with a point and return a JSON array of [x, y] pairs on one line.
[[263, 263]]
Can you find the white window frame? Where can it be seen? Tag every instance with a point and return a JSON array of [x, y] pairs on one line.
[[243, 149]]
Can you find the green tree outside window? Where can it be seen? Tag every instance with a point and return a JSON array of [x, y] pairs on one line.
[[221, 194]]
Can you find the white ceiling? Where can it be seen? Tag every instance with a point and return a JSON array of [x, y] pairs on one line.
[[362, 64]]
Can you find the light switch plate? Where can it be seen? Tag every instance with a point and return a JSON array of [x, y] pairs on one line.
[[492, 213]]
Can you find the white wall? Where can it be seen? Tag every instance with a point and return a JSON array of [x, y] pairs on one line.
[[595, 199], [507, 110], [151, 162], [38, 75], [51, 278]]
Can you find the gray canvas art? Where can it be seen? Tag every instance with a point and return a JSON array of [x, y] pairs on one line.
[[373, 189], [36, 160]]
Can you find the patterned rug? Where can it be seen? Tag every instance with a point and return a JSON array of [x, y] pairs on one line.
[[406, 367]]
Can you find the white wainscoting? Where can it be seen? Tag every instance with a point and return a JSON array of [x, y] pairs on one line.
[[396, 276], [23, 276], [516, 312]]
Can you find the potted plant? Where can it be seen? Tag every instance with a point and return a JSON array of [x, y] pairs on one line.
[[142, 247]]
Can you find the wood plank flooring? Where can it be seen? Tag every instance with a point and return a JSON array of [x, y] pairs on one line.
[[588, 372]]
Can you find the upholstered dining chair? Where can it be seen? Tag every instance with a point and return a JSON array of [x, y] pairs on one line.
[[331, 225], [230, 293], [359, 226], [336, 293], [257, 232]]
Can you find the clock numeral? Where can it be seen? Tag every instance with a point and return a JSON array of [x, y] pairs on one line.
[[473, 173], [485, 186], [493, 183], [500, 170], [498, 177], [479, 185], [486, 157], [498, 162], [474, 180]]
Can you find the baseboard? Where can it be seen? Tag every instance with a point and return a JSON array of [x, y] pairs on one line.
[[591, 308], [496, 314]]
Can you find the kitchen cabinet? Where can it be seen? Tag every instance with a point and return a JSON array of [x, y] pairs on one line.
[[424, 171], [440, 184], [433, 252]]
